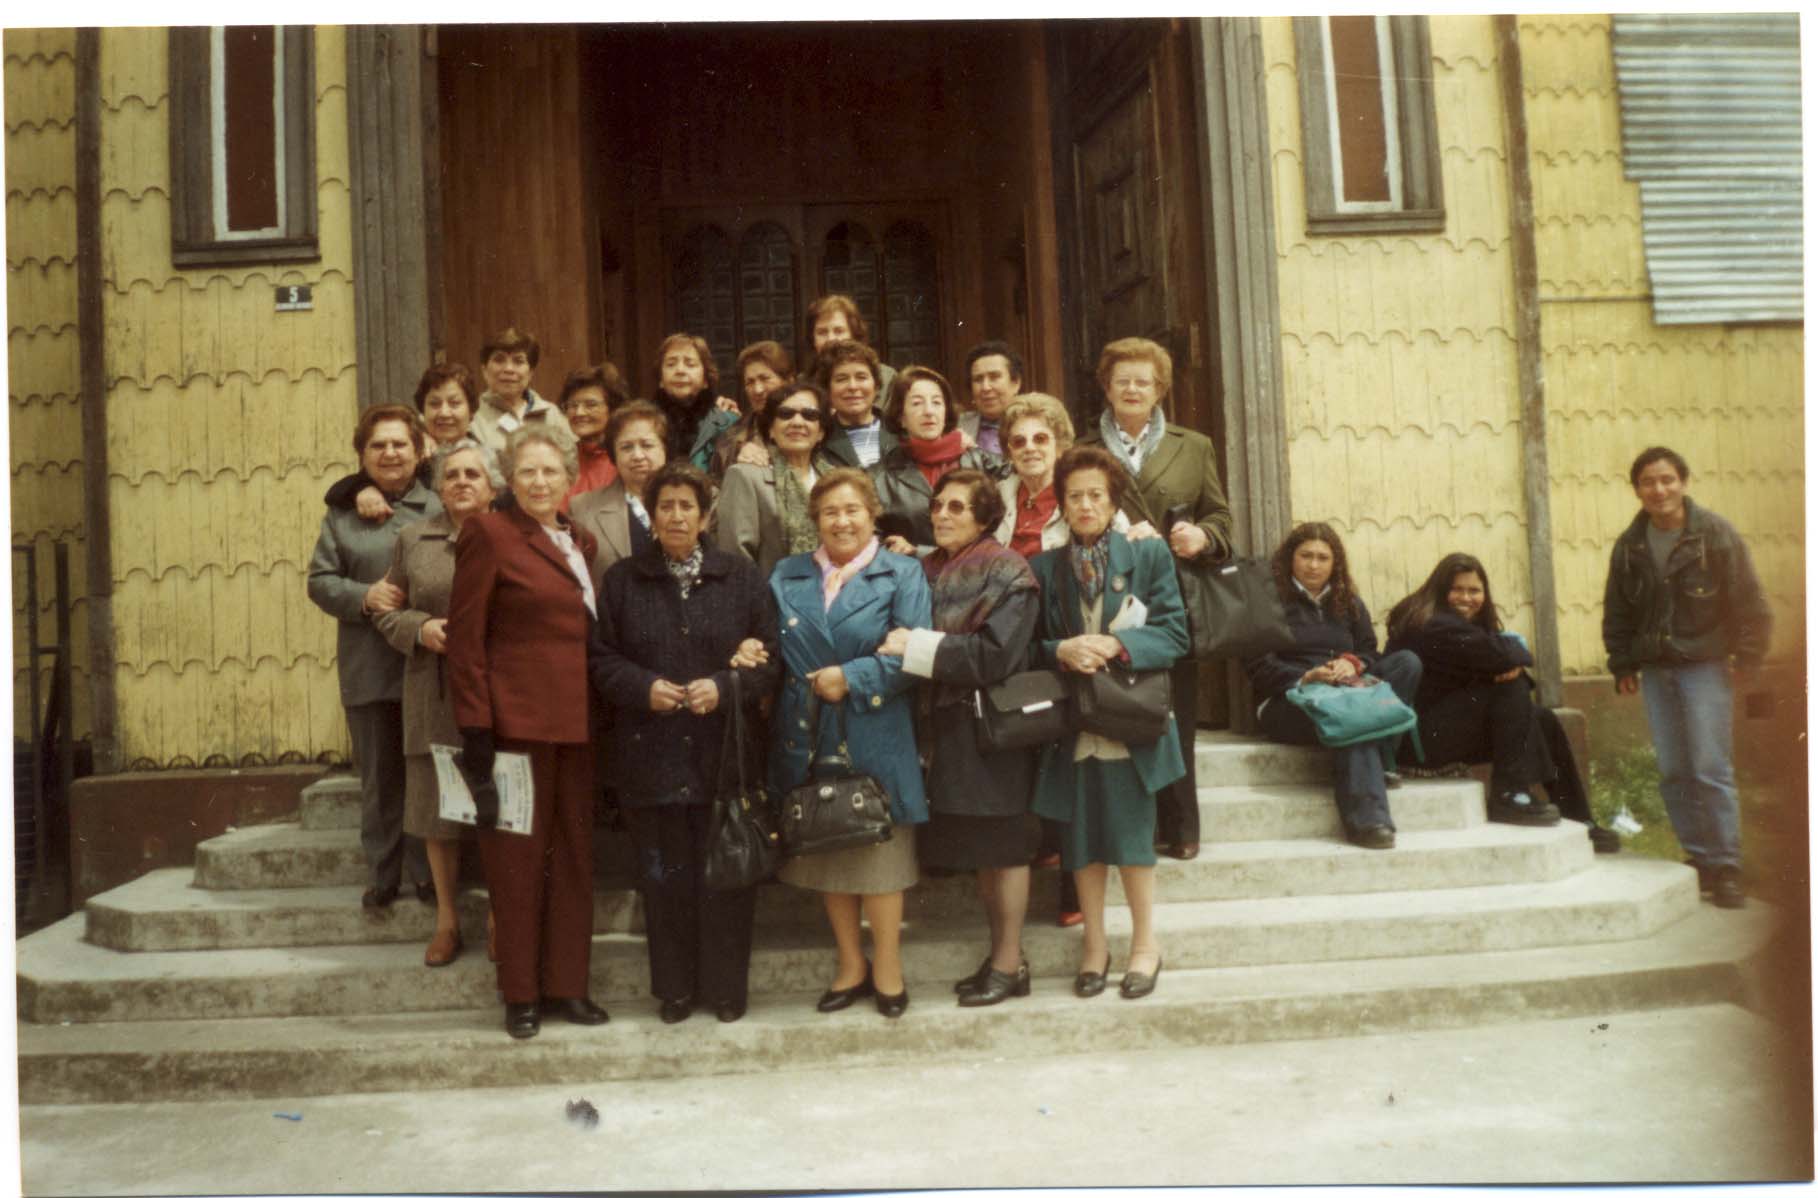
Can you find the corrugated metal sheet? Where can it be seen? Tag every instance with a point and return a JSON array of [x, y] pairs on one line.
[[1711, 129]]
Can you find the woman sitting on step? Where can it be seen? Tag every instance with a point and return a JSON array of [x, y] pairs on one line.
[[1334, 642], [1475, 700]]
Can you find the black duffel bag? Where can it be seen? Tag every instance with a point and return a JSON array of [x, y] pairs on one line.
[[842, 810]]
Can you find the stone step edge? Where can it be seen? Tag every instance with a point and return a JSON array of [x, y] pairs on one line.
[[1705, 958]]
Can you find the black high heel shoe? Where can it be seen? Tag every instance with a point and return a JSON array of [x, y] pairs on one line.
[[1090, 984], [839, 1000], [892, 1005], [998, 986], [1140, 985]]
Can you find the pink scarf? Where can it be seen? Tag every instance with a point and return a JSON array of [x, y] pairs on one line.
[[834, 577]]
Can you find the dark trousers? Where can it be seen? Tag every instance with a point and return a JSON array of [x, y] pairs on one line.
[[542, 883], [1177, 805], [699, 939], [1489, 721], [392, 858], [1363, 798], [1567, 789]]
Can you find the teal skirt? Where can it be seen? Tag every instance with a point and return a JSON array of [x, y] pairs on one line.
[[1112, 820]]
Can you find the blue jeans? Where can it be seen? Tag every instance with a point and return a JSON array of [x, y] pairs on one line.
[[1689, 711], [1357, 770]]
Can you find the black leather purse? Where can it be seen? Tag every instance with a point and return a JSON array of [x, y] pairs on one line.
[[1233, 608], [1033, 707], [1122, 704], [743, 847], [837, 807]]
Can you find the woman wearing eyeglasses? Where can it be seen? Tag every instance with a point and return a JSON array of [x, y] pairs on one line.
[[763, 510]]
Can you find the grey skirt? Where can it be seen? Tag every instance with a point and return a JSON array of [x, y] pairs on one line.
[[875, 869], [422, 801]]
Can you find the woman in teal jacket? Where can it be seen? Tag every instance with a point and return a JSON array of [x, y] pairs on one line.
[[835, 607], [1108, 601]]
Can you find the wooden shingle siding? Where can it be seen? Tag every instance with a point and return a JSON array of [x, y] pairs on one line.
[[1730, 398], [1398, 351], [226, 422], [44, 377]]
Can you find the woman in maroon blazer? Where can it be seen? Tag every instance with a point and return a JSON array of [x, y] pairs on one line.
[[518, 621]]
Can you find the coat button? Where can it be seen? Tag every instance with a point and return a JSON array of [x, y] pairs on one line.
[[794, 620], [802, 724], [1117, 584], [877, 700]]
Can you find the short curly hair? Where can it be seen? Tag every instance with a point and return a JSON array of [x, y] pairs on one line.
[[845, 476], [981, 496], [540, 432], [1091, 457], [1137, 349]]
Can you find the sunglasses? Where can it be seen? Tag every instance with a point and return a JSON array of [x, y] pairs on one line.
[[1020, 442], [811, 415], [953, 507]]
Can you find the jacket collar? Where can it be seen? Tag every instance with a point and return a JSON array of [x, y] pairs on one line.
[[605, 514], [1119, 568], [714, 563]]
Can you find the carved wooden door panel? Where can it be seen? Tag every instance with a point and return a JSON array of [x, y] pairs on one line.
[[1119, 205]]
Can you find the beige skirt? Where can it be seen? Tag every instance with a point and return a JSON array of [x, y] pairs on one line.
[[875, 869], [422, 801]]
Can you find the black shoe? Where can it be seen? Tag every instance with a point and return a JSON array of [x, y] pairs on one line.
[[426, 893], [1604, 840], [377, 898], [1140, 985], [892, 1005], [1183, 851], [1520, 807], [729, 1012], [674, 1010], [998, 986], [1378, 836], [1726, 888], [577, 1010], [1088, 984], [839, 1000], [1707, 877], [976, 978], [522, 1020]]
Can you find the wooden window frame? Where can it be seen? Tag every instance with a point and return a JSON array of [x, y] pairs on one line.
[[1412, 134], [196, 238]]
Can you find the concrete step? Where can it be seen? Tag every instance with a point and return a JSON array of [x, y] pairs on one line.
[[273, 856], [331, 802], [62, 977], [1236, 759], [1705, 958], [164, 912]]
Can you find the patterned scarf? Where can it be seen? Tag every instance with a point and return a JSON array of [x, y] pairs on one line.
[[799, 533], [1113, 436], [834, 577], [687, 572], [1090, 565], [967, 585]]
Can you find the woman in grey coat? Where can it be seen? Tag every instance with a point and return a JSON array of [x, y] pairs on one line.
[[423, 568], [347, 580], [763, 510]]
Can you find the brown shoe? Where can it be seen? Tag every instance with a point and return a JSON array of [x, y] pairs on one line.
[[443, 948], [492, 938]]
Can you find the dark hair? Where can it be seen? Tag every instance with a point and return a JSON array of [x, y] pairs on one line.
[[771, 354], [631, 413], [1000, 349], [844, 476], [981, 496], [766, 415], [710, 377], [378, 414], [510, 340], [842, 352], [1658, 453], [679, 474], [1343, 592], [906, 378], [845, 306], [1434, 595], [606, 376], [446, 372], [1091, 457]]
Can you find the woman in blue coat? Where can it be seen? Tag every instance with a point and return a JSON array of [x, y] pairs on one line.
[[835, 607], [1108, 601]]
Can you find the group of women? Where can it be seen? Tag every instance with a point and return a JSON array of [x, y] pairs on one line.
[[567, 582]]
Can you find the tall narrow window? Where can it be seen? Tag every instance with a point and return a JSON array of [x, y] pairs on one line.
[[766, 285], [1370, 145], [706, 295], [849, 265], [912, 327], [242, 144]]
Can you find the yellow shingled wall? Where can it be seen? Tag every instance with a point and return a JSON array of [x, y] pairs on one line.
[[1398, 350], [226, 422], [1730, 398], [44, 377]]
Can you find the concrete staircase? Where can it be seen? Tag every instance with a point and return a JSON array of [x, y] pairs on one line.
[[258, 973]]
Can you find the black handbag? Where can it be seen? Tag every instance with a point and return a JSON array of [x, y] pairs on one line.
[[1233, 608], [1030, 708], [1122, 704], [743, 847], [842, 810]]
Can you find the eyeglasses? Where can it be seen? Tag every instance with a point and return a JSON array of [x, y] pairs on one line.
[[584, 405], [811, 415], [953, 507], [1021, 442]]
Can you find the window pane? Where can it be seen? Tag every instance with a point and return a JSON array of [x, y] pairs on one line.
[[1357, 87], [767, 285], [704, 293], [849, 265], [912, 331], [249, 86]]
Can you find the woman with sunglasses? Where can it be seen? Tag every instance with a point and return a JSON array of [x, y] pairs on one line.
[[763, 510]]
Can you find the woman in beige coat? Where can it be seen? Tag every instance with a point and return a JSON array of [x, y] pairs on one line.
[[423, 568]]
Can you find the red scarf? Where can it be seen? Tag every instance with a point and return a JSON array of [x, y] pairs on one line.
[[934, 458]]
